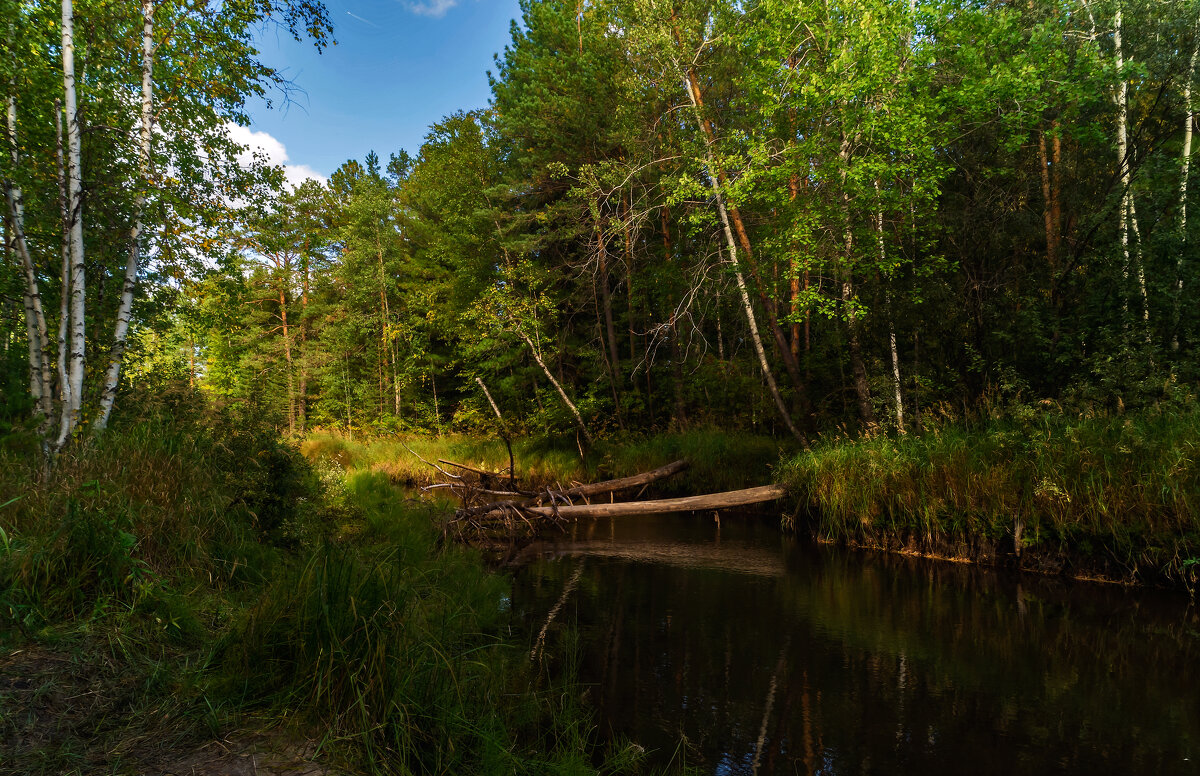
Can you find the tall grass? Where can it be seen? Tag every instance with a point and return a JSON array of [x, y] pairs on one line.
[[199, 576], [395, 648], [720, 460], [1117, 496]]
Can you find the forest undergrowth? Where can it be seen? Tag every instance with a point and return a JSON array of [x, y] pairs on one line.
[[189, 595]]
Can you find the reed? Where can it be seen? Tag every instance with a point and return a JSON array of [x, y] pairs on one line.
[[1117, 496]]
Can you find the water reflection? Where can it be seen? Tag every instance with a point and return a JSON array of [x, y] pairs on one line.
[[768, 656]]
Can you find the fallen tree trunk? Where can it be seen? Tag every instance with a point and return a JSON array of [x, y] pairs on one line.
[[583, 491], [645, 478], [733, 498]]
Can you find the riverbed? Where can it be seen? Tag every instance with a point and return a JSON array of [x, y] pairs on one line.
[[741, 650]]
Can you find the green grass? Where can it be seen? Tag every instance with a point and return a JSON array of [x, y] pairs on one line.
[[720, 460], [1117, 496], [201, 579]]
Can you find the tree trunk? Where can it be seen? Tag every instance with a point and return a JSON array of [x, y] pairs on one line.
[[1184, 170], [794, 290], [386, 315], [64, 214], [707, 502], [629, 296], [557, 386], [77, 342], [1051, 209], [1132, 256], [112, 377], [898, 402], [614, 361], [40, 377], [731, 246], [302, 394], [287, 350], [692, 85]]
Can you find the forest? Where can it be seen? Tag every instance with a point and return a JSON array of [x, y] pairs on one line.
[[792, 218], [928, 263]]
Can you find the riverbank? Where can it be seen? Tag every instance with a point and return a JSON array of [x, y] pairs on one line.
[[1115, 498], [1112, 498], [192, 596]]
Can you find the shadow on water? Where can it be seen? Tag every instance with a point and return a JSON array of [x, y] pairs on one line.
[[767, 655]]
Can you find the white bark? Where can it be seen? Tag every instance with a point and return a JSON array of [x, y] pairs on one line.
[[1131, 253], [35, 319], [1189, 116], [557, 386], [112, 376], [64, 311], [76, 344], [897, 398], [731, 246]]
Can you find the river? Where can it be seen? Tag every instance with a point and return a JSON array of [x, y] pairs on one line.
[[740, 650]]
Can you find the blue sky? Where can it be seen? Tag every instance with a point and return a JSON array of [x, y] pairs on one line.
[[398, 66]]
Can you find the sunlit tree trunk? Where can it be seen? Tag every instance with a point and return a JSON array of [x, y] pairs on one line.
[[287, 346], [386, 317], [557, 385], [1131, 253], [1051, 207], [302, 395], [112, 377], [64, 215], [897, 398], [693, 90], [696, 96], [1189, 117], [77, 332], [40, 376]]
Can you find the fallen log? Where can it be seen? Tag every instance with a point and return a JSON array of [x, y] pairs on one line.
[[645, 478], [733, 498], [472, 469], [582, 491]]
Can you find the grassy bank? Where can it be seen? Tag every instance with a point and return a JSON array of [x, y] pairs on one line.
[[720, 460], [183, 583], [1115, 497]]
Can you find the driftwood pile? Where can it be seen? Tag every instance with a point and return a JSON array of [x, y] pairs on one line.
[[494, 505]]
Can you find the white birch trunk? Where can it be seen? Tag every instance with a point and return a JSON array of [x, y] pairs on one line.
[[64, 309], [898, 400], [731, 246], [77, 344], [112, 376], [1185, 163], [35, 319], [557, 386], [1131, 250]]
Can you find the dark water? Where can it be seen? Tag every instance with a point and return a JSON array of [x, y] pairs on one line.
[[766, 655]]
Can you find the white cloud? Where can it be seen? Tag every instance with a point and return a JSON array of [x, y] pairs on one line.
[[434, 8], [273, 151]]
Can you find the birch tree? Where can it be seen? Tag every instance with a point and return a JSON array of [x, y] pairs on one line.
[[209, 68]]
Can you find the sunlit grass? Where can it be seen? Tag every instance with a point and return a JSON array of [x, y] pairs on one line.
[[1121, 492], [720, 460]]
